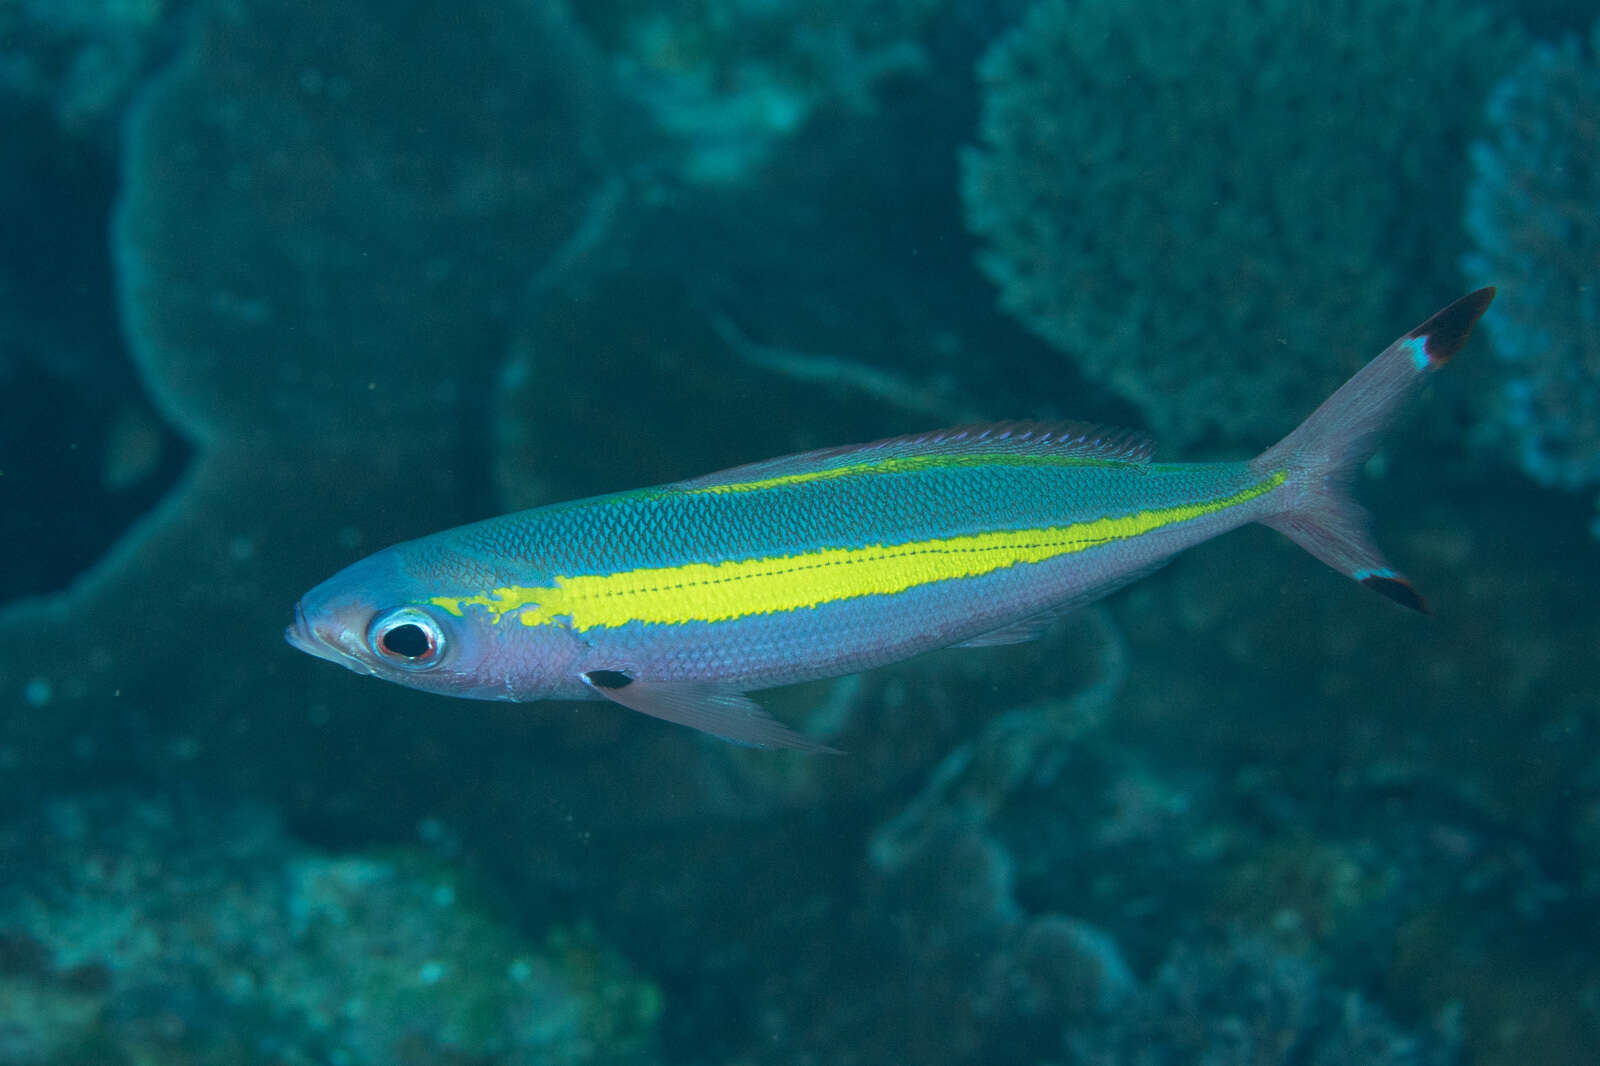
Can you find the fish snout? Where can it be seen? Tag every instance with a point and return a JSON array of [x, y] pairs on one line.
[[298, 633], [326, 639]]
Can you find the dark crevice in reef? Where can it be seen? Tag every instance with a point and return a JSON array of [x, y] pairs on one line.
[[82, 452]]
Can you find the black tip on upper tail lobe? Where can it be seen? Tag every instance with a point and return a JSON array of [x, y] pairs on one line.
[[1447, 331]]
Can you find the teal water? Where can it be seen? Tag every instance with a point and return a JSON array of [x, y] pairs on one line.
[[285, 282]]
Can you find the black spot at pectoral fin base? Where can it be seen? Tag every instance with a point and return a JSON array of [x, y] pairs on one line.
[[709, 707], [607, 679], [1397, 589]]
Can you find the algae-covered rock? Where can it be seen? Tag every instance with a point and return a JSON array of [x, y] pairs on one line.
[[160, 930]]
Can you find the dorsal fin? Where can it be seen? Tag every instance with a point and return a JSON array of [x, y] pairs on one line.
[[1083, 441]]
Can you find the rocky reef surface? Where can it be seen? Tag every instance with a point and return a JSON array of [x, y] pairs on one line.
[[155, 929]]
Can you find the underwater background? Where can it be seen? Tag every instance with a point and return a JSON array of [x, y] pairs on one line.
[[285, 281]]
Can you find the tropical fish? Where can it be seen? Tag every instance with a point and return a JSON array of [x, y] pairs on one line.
[[678, 600]]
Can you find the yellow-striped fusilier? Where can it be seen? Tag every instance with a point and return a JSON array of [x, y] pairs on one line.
[[678, 600]]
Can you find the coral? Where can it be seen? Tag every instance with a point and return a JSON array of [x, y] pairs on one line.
[[1373, 877], [1310, 893], [1047, 987], [166, 931], [44, 1018], [326, 217], [729, 352], [1533, 211], [1012, 753], [728, 78], [1210, 207], [1242, 1003], [341, 151], [83, 58], [321, 301], [1067, 968], [111, 461]]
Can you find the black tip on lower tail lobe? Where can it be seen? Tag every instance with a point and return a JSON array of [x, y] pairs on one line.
[[1397, 589], [1445, 333]]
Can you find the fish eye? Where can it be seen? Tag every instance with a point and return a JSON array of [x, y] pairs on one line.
[[408, 637]]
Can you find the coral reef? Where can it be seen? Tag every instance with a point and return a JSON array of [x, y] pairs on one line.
[[730, 353], [1256, 775], [974, 908], [325, 221], [727, 79], [1212, 208], [112, 459], [158, 930], [1016, 750], [1245, 1004], [338, 151], [83, 59], [1533, 211], [393, 274]]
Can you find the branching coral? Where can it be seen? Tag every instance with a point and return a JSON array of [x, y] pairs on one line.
[[1533, 211], [1196, 202]]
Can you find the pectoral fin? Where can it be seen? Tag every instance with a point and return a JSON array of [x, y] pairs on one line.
[[708, 707]]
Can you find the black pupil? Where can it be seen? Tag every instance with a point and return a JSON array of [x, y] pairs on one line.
[[408, 640]]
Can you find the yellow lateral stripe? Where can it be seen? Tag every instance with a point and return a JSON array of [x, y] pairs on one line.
[[737, 588]]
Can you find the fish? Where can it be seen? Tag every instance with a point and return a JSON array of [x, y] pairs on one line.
[[680, 600]]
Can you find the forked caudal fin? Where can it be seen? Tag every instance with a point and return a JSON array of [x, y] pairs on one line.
[[1324, 452]]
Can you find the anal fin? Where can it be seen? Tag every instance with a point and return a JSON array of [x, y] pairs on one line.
[[711, 708], [1030, 628], [1034, 625]]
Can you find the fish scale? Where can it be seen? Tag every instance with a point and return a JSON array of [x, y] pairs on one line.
[[678, 600]]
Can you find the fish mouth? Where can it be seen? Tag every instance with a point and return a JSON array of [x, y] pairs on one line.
[[299, 633], [328, 643]]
